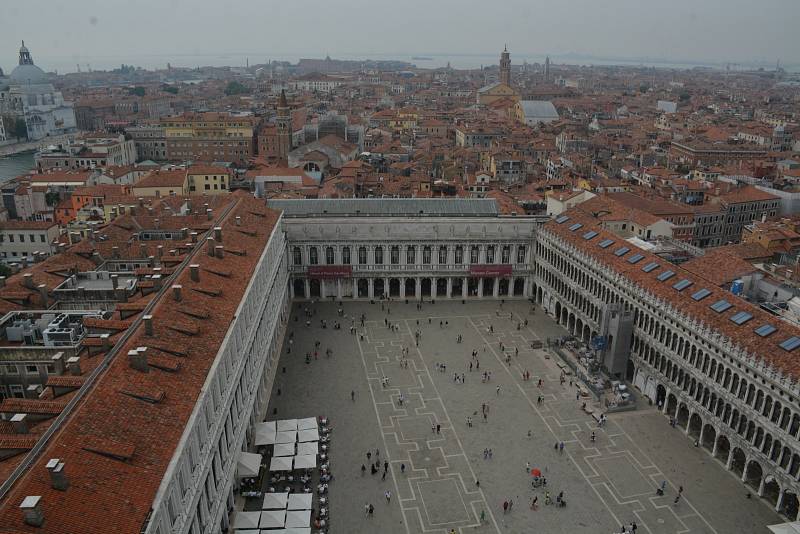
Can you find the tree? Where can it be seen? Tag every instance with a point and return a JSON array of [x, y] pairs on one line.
[[170, 89], [15, 127], [684, 96], [5, 270], [138, 91], [236, 88]]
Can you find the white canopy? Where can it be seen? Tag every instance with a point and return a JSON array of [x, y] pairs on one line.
[[300, 501], [273, 519], [248, 465], [265, 433], [287, 424], [308, 447], [306, 461], [298, 518], [307, 423], [243, 520], [249, 531], [281, 463], [295, 530], [275, 501], [284, 449], [288, 436], [308, 435]]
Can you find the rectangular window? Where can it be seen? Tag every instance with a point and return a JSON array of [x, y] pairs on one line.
[[721, 305], [741, 317], [459, 255], [666, 275], [31, 370], [701, 294], [765, 330], [362, 255], [621, 251], [682, 284], [605, 243], [788, 345], [442, 255]]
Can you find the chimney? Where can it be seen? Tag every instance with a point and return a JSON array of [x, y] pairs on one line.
[[2, 281], [115, 281], [148, 325], [188, 202], [58, 363], [141, 201], [115, 252], [151, 261], [31, 511], [27, 280], [159, 251], [218, 233], [194, 237], [106, 339], [194, 272], [74, 365], [19, 423], [43, 293], [209, 214], [97, 258], [176, 292], [138, 360], [58, 478], [210, 243], [142, 250], [220, 251], [157, 223], [238, 221], [184, 232]]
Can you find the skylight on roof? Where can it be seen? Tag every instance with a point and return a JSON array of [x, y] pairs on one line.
[[590, 235], [621, 251], [636, 258], [562, 219], [575, 226], [666, 275], [605, 243], [650, 267], [741, 317], [700, 294], [683, 284], [765, 330], [721, 305], [790, 344]]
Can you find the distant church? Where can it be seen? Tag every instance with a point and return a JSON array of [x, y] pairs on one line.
[[30, 96], [501, 89]]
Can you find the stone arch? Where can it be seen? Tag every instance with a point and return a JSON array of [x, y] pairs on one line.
[[695, 425], [314, 288], [362, 288], [709, 437], [771, 490], [753, 475], [738, 460], [586, 334], [571, 324], [661, 395], [672, 404], [426, 287], [723, 448], [558, 311], [630, 371], [790, 505], [299, 288], [411, 287], [682, 418], [394, 287]]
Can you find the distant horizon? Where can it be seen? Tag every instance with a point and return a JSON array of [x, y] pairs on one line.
[[66, 64]]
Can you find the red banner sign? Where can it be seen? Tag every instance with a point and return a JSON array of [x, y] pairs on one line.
[[490, 271], [327, 272]]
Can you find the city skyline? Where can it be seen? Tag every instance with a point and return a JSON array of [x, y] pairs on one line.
[[713, 32]]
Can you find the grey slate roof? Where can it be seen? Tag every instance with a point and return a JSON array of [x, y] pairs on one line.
[[387, 207], [539, 109]]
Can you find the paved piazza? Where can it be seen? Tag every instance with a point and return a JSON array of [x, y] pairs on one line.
[[605, 484]]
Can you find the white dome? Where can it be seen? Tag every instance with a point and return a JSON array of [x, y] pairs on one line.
[[25, 74]]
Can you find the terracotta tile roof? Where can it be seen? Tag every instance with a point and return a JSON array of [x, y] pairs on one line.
[[719, 267], [117, 447], [766, 349], [34, 406]]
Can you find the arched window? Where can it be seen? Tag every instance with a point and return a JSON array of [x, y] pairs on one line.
[[442, 255], [411, 255], [426, 255], [345, 255], [521, 254], [297, 256], [473, 254], [395, 255], [378, 255], [312, 256], [459, 255], [506, 258], [362, 255], [490, 254], [330, 256]]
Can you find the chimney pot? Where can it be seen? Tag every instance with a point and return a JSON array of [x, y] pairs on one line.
[[115, 281], [138, 360], [2, 281], [176, 292], [143, 250], [58, 478], [31, 511], [194, 237], [74, 365], [218, 233], [148, 325], [27, 280], [159, 251], [210, 243], [19, 423], [238, 221], [220, 251], [43, 293], [209, 213], [58, 362], [194, 272]]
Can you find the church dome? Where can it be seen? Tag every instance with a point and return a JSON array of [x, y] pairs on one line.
[[28, 74]]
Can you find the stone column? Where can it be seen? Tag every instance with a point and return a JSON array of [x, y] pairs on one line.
[[386, 287], [402, 287], [464, 289], [339, 288], [729, 461], [370, 288], [714, 448], [779, 505], [291, 287], [322, 292], [449, 287], [308, 288], [496, 292], [744, 470], [480, 288], [761, 485]]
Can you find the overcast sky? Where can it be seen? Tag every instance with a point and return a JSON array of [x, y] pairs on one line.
[[60, 32]]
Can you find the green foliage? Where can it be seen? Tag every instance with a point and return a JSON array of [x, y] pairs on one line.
[[52, 198], [170, 89], [236, 88], [138, 91], [15, 127], [5, 270], [684, 96]]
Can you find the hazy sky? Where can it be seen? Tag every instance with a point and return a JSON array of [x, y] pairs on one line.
[[60, 32]]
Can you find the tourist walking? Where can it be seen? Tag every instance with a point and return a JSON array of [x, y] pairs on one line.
[[388, 496]]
